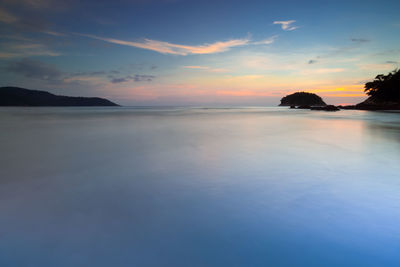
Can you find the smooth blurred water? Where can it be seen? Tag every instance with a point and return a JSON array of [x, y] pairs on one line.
[[199, 187]]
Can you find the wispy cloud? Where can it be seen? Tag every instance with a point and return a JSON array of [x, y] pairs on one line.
[[321, 71], [87, 80], [376, 66], [329, 70], [27, 15], [34, 69], [176, 49], [12, 50], [38, 70], [7, 17], [85, 73], [347, 50], [30, 21], [206, 68], [38, 4], [360, 40], [53, 33], [15, 37], [135, 78], [287, 25], [267, 41], [197, 67]]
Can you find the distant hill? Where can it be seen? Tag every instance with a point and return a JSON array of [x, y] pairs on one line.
[[302, 99], [15, 96]]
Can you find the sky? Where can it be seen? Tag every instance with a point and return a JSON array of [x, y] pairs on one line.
[[198, 52]]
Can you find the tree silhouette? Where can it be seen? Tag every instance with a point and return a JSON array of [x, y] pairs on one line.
[[385, 87]]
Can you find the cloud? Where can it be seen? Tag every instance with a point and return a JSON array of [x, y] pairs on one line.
[[34, 69], [29, 3], [101, 76], [183, 50], [106, 75], [206, 68], [391, 62], [29, 21], [84, 73], [360, 40], [335, 52], [312, 61], [329, 70], [140, 78], [15, 37], [267, 41], [376, 67], [119, 80], [24, 49], [176, 49], [86, 80], [7, 17], [136, 78], [53, 33], [197, 67], [287, 25], [27, 15], [322, 71], [390, 52], [38, 4]]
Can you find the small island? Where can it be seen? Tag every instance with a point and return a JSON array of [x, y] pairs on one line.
[[302, 99], [15, 96]]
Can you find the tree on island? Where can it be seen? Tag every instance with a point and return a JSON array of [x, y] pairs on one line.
[[302, 99], [385, 87]]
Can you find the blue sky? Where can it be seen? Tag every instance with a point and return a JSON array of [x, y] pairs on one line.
[[176, 52]]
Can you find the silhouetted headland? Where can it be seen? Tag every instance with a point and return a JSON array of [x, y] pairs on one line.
[[384, 92], [15, 96]]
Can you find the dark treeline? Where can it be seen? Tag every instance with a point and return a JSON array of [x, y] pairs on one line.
[[385, 87]]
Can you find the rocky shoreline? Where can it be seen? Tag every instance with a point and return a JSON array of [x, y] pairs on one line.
[[324, 108], [373, 103], [360, 106]]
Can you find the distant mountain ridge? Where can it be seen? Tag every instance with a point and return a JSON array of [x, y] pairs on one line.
[[16, 96]]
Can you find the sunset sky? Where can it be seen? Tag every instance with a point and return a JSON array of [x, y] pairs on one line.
[[178, 52]]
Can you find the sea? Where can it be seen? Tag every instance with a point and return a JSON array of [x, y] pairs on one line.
[[195, 186]]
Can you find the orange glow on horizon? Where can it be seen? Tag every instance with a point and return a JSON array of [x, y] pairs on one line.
[[353, 88], [243, 93], [344, 95]]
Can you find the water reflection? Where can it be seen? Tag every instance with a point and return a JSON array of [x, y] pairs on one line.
[[199, 187]]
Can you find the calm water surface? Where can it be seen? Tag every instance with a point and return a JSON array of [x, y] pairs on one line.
[[199, 187]]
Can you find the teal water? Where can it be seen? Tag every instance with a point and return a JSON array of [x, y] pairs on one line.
[[199, 187]]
